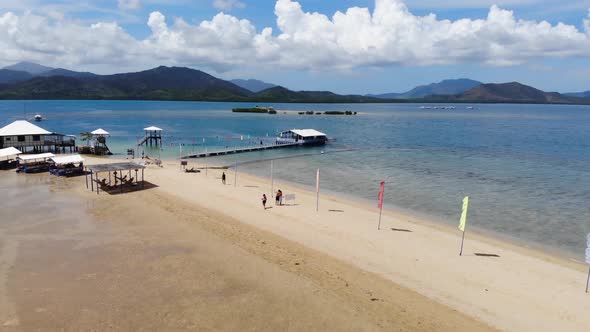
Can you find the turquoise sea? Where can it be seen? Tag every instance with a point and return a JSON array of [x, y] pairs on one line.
[[525, 167]]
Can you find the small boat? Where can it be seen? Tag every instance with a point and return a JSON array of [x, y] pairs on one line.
[[38, 117]]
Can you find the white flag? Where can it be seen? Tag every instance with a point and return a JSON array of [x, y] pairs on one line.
[[317, 181]]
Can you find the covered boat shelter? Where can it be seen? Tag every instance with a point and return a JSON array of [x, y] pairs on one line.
[[34, 163], [8, 157], [116, 177], [67, 165]]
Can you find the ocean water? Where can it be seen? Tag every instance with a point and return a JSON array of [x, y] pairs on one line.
[[525, 167]]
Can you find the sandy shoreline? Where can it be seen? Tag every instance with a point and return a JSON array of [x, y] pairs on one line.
[[151, 261], [523, 289], [415, 277]]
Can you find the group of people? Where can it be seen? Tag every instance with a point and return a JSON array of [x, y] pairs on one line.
[[278, 195], [278, 198]]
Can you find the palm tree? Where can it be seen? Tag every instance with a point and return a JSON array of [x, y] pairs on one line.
[[86, 137]]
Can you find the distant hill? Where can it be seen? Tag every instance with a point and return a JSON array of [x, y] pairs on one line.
[[281, 94], [161, 83], [180, 83], [512, 92], [585, 94], [253, 85], [446, 87], [29, 67], [12, 76], [66, 73]]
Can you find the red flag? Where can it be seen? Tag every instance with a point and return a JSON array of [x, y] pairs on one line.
[[381, 193]]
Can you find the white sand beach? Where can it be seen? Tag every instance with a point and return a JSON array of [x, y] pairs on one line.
[[521, 290], [193, 253]]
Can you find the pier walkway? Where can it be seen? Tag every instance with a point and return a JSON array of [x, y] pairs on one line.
[[238, 150]]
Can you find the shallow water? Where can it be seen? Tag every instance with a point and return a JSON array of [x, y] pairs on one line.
[[524, 166]]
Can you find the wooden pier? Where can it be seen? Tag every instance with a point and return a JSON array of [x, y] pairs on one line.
[[234, 150]]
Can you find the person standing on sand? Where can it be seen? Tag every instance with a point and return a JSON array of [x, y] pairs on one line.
[[223, 178], [264, 201], [277, 197], [280, 197]]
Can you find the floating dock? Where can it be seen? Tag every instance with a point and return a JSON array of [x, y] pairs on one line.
[[239, 150]]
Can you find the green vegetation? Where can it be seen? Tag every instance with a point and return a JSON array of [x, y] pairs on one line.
[[339, 113], [251, 110]]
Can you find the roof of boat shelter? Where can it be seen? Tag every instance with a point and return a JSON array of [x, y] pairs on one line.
[[26, 157], [8, 152], [307, 132], [63, 160], [152, 128], [22, 127], [114, 167]]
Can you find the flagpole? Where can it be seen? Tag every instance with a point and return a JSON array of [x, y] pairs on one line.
[[380, 212], [317, 200], [272, 184], [462, 240], [236, 174], [380, 202]]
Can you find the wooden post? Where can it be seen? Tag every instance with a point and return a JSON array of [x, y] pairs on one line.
[[588, 280], [142, 180], [91, 181], [86, 176]]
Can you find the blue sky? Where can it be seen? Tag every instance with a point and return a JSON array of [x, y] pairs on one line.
[[393, 50]]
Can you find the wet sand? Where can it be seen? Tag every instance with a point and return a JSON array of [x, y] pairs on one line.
[[150, 260]]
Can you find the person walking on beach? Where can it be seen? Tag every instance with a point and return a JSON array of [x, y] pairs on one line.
[[280, 197], [223, 178], [264, 201], [277, 197]]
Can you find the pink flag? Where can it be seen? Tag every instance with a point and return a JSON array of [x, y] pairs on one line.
[[381, 193]]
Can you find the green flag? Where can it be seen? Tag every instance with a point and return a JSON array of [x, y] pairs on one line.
[[463, 219]]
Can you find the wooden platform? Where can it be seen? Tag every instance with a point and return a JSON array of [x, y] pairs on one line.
[[239, 150]]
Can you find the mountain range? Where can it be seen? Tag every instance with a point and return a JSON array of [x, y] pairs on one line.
[[32, 81], [253, 85], [446, 87]]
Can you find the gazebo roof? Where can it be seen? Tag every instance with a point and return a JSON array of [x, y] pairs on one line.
[[100, 131], [152, 128], [22, 127]]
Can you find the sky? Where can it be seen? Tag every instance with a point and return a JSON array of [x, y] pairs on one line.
[[345, 46]]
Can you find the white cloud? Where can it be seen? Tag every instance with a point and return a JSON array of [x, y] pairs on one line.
[[228, 4], [357, 37], [129, 4]]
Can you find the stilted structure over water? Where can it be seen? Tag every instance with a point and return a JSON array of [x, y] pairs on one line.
[[100, 142], [28, 137], [153, 136]]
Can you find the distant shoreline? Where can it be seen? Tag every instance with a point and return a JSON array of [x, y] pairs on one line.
[[385, 101]]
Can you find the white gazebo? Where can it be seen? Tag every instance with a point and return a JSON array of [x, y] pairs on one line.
[[100, 141], [100, 132], [153, 136]]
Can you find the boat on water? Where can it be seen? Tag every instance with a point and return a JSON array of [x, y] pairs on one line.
[[302, 137], [38, 117]]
